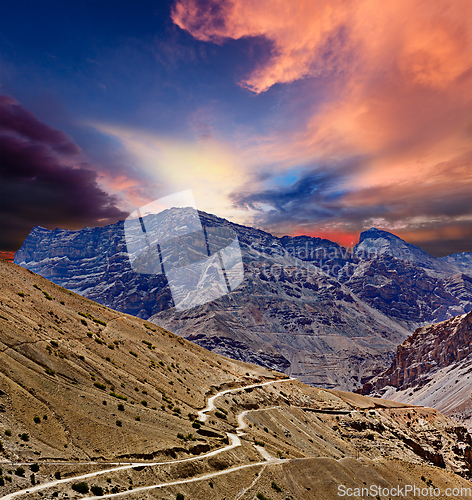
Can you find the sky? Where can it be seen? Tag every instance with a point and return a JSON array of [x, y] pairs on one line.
[[318, 117]]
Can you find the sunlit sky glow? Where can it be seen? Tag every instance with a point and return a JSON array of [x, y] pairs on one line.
[[299, 117]]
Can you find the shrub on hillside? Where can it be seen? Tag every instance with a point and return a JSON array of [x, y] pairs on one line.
[[188, 437], [118, 396], [97, 490], [80, 487], [261, 496], [276, 487], [20, 472]]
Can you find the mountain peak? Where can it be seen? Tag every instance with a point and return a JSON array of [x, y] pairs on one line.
[[374, 233], [375, 242]]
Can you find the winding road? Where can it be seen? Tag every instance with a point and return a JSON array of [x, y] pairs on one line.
[[211, 401], [234, 441]]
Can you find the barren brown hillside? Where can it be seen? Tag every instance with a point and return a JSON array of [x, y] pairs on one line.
[[84, 388]]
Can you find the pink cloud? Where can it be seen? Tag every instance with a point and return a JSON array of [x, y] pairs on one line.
[[394, 76]]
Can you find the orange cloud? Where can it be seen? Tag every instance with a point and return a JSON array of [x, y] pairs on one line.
[[426, 41], [7, 256], [298, 31]]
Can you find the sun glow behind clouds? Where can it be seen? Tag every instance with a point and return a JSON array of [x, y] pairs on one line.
[[208, 168]]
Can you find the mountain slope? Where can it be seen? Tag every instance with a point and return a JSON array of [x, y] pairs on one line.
[[259, 423], [433, 367], [313, 329], [407, 293], [63, 355], [462, 261], [287, 314]]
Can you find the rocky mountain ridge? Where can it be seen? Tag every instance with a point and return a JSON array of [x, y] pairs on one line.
[[375, 242], [306, 305]]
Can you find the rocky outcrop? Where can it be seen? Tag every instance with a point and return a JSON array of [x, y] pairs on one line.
[[428, 350], [460, 287], [433, 368], [375, 242], [235, 349], [462, 261], [94, 263]]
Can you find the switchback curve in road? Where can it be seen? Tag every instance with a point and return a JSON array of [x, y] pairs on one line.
[[234, 442]]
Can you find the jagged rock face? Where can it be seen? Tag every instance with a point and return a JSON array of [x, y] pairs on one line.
[[460, 286], [306, 306], [94, 263], [432, 367], [462, 261], [390, 275], [406, 283], [429, 349]]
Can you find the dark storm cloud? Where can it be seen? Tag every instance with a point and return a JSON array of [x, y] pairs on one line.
[[446, 246], [44, 179], [14, 119]]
